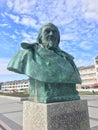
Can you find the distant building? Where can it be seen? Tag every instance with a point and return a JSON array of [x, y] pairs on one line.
[[96, 67], [1, 85], [89, 75], [15, 86]]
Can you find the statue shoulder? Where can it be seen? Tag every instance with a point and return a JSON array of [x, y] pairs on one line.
[[25, 45], [67, 55]]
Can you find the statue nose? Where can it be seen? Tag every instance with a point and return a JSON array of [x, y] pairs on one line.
[[50, 33]]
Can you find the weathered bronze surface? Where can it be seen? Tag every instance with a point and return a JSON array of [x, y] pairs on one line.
[[53, 73]]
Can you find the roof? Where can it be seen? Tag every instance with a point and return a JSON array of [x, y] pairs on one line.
[[95, 84], [86, 67], [96, 57]]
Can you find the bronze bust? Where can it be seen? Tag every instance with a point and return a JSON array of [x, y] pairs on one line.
[[52, 72]]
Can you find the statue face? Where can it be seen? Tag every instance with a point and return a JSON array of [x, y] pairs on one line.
[[49, 36]]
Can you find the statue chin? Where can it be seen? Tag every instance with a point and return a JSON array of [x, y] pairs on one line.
[[50, 44]]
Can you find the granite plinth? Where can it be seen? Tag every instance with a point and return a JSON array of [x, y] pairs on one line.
[[72, 115]]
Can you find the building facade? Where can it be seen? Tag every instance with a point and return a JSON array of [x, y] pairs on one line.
[[89, 75], [15, 86], [96, 67]]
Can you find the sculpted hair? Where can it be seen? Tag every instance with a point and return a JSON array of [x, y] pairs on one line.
[[40, 33]]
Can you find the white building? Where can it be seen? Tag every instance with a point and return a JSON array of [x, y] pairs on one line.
[[89, 75], [15, 86], [96, 67]]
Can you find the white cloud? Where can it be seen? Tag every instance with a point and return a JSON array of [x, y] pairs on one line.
[[10, 4], [6, 34], [59, 12], [85, 45], [82, 62], [3, 66], [91, 15], [13, 17], [23, 20], [69, 36], [21, 6], [90, 9], [44, 11], [29, 37], [13, 36], [84, 58], [28, 21], [4, 25]]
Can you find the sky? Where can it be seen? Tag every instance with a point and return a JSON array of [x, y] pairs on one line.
[[20, 21]]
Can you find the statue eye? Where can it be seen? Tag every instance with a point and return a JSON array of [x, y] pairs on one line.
[[50, 30], [47, 30], [53, 31]]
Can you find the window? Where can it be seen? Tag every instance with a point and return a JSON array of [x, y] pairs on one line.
[[97, 62]]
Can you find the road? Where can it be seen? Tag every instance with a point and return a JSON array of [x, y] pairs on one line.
[[11, 113]]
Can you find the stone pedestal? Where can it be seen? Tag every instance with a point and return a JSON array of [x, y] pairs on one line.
[[71, 115]]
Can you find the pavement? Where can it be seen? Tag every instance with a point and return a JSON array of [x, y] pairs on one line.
[[93, 110], [11, 113]]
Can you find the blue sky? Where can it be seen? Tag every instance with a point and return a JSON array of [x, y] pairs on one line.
[[20, 20]]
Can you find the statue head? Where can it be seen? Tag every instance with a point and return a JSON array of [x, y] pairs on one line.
[[49, 36]]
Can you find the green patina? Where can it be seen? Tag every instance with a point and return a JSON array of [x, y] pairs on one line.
[[54, 92], [53, 73]]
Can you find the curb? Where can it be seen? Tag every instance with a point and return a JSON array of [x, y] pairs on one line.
[[15, 98]]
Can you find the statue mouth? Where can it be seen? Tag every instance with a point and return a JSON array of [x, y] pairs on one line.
[[50, 38]]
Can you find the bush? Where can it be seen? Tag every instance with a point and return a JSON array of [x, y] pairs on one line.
[[88, 93], [15, 94]]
